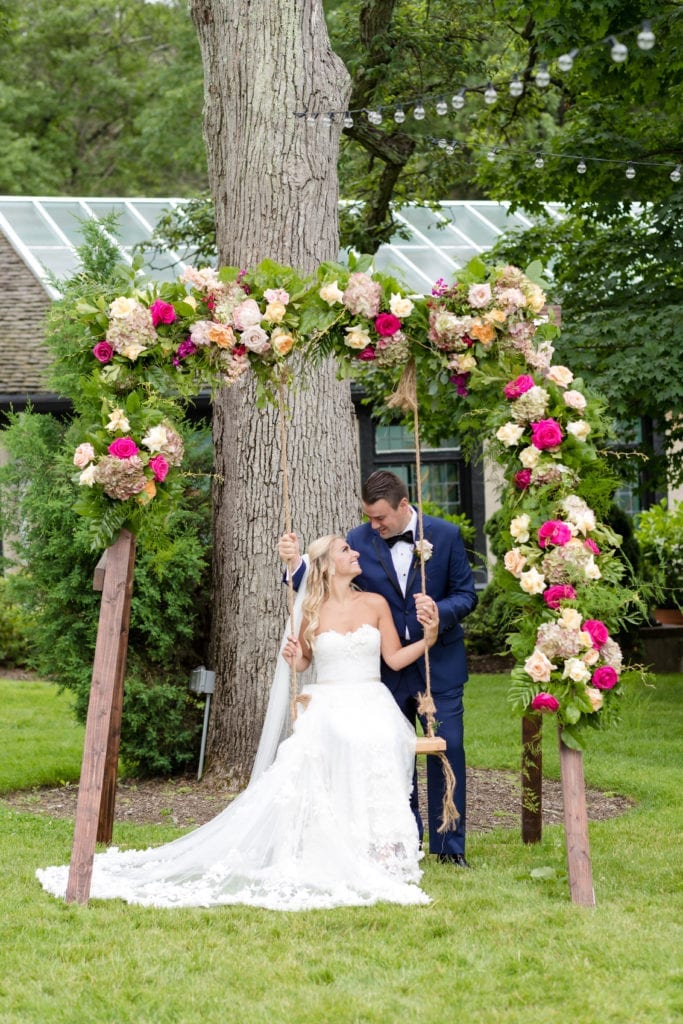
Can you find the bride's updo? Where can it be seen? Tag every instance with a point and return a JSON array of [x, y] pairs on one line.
[[320, 569]]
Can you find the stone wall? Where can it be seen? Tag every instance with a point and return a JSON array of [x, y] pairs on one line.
[[24, 304]]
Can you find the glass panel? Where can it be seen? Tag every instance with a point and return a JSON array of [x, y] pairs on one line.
[[29, 224], [473, 227], [394, 437], [62, 262], [129, 228], [150, 210], [421, 218], [627, 499], [68, 218]]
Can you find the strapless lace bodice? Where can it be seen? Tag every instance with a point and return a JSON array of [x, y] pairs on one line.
[[351, 657]]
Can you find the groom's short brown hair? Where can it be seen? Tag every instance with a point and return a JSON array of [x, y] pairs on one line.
[[384, 486]]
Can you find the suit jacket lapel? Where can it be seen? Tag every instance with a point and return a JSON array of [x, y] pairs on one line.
[[383, 552], [415, 565]]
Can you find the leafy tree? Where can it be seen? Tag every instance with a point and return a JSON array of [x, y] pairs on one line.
[[100, 98]]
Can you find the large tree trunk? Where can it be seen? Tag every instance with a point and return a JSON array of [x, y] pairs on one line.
[[274, 183]]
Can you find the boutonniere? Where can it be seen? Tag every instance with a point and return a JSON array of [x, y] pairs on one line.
[[423, 550]]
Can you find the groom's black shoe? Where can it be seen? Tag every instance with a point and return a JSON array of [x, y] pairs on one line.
[[456, 859]]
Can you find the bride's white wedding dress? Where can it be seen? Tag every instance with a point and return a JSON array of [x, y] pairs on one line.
[[328, 824]]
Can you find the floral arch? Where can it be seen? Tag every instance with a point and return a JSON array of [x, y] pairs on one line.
[[482, 355]]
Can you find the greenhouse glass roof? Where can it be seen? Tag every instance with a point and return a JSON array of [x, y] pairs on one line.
[[46, 232]]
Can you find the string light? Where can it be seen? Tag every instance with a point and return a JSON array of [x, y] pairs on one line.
[[619, 52], [441, 106], [646, 37], [542, 75], [516, 86], [492, 154], [399, 114], [490, 94], [348, 119], [539, 162], [419, 111], [581, 167], [458, 100], [565, 61], [630, 171], [375, 117], [676, 173]]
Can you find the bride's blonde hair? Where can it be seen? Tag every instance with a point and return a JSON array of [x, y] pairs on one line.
[[320, 569]]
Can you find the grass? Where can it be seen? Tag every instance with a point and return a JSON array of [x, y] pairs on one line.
[[495, 945]]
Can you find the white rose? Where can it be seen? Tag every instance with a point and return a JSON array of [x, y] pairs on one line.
[[331, 293], [570, 619], [132, 351], [118, 421], [122, 307], [539, 667], [579, 429], [574, 400], [400, 306], [155, 439], [519, 528], [560, 375], [591, 570], [535, 297], [479, 295], [87, 477], [84, 454], [255, 339], [509, 433], [576, 670], [532, 582], [356, 337], [464, 363], [595, 697], [514, 561], [529, 457]]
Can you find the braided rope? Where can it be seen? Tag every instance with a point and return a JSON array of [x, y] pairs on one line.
[[293, 689]]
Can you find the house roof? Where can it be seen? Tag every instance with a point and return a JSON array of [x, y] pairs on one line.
[[39, 237]]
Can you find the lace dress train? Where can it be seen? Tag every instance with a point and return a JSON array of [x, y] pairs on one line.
[[328, 824]]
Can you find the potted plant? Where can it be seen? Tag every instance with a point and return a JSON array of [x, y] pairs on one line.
[[659, 532]]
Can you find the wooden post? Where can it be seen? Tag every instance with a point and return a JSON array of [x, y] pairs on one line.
[[576, 826], [532, 778], [97, 786]]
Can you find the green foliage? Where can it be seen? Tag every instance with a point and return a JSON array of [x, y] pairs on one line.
[[15, 630], [170, 606], [659, 533]]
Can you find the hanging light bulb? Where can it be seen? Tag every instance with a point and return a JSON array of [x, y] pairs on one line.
[[328, 118], [442, 143], [441, 106], [348, 120], [565, 61], [630, 171], [542, 75], [676, 173], [492, 154], [399, 114], [419, 111], [311, 118], [539, 162], [490, 94], [516, 86], [450, 150], [458, 100], [646, 37], [375, 116], [619, 52], [581, 167]]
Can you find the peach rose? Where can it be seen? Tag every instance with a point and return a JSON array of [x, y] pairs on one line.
[[595, 697], [482, 331], [275, 312], [560, 375], [539, 667], [222, 336], [282, 341], [514, 562]]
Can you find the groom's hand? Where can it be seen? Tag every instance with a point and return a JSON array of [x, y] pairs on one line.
[[288, 549], [427, 616]]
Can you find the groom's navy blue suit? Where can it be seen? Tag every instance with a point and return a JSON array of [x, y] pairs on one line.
[[449, 582]]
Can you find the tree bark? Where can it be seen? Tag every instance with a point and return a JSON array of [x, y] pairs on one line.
[[274, 183]]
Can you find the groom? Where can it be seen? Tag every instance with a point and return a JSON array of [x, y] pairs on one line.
[[391, 567]]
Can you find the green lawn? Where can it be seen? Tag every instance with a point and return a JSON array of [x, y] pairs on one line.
[[495, 945]]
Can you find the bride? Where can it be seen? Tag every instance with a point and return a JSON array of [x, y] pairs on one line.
[[328, 823]]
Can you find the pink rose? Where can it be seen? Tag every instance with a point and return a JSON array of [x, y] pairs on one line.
[[123, 448], [604, 678], [103, 352], [517, 387], [546, 434], [162, 312], [597, 631], [246, 314], [554, 531], [367, 354], [560, 592], [386, 324], [591, 546], [159, 467], [545, 702], [522, 479]]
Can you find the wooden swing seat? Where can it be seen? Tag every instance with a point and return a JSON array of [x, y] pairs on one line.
[[429, 744]]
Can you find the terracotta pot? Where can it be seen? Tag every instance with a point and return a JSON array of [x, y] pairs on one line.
[[668, 616]]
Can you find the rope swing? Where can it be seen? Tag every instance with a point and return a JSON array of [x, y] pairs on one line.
[[405, 399]]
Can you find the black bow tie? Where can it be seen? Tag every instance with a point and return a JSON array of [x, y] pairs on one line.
[[407, 537]]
